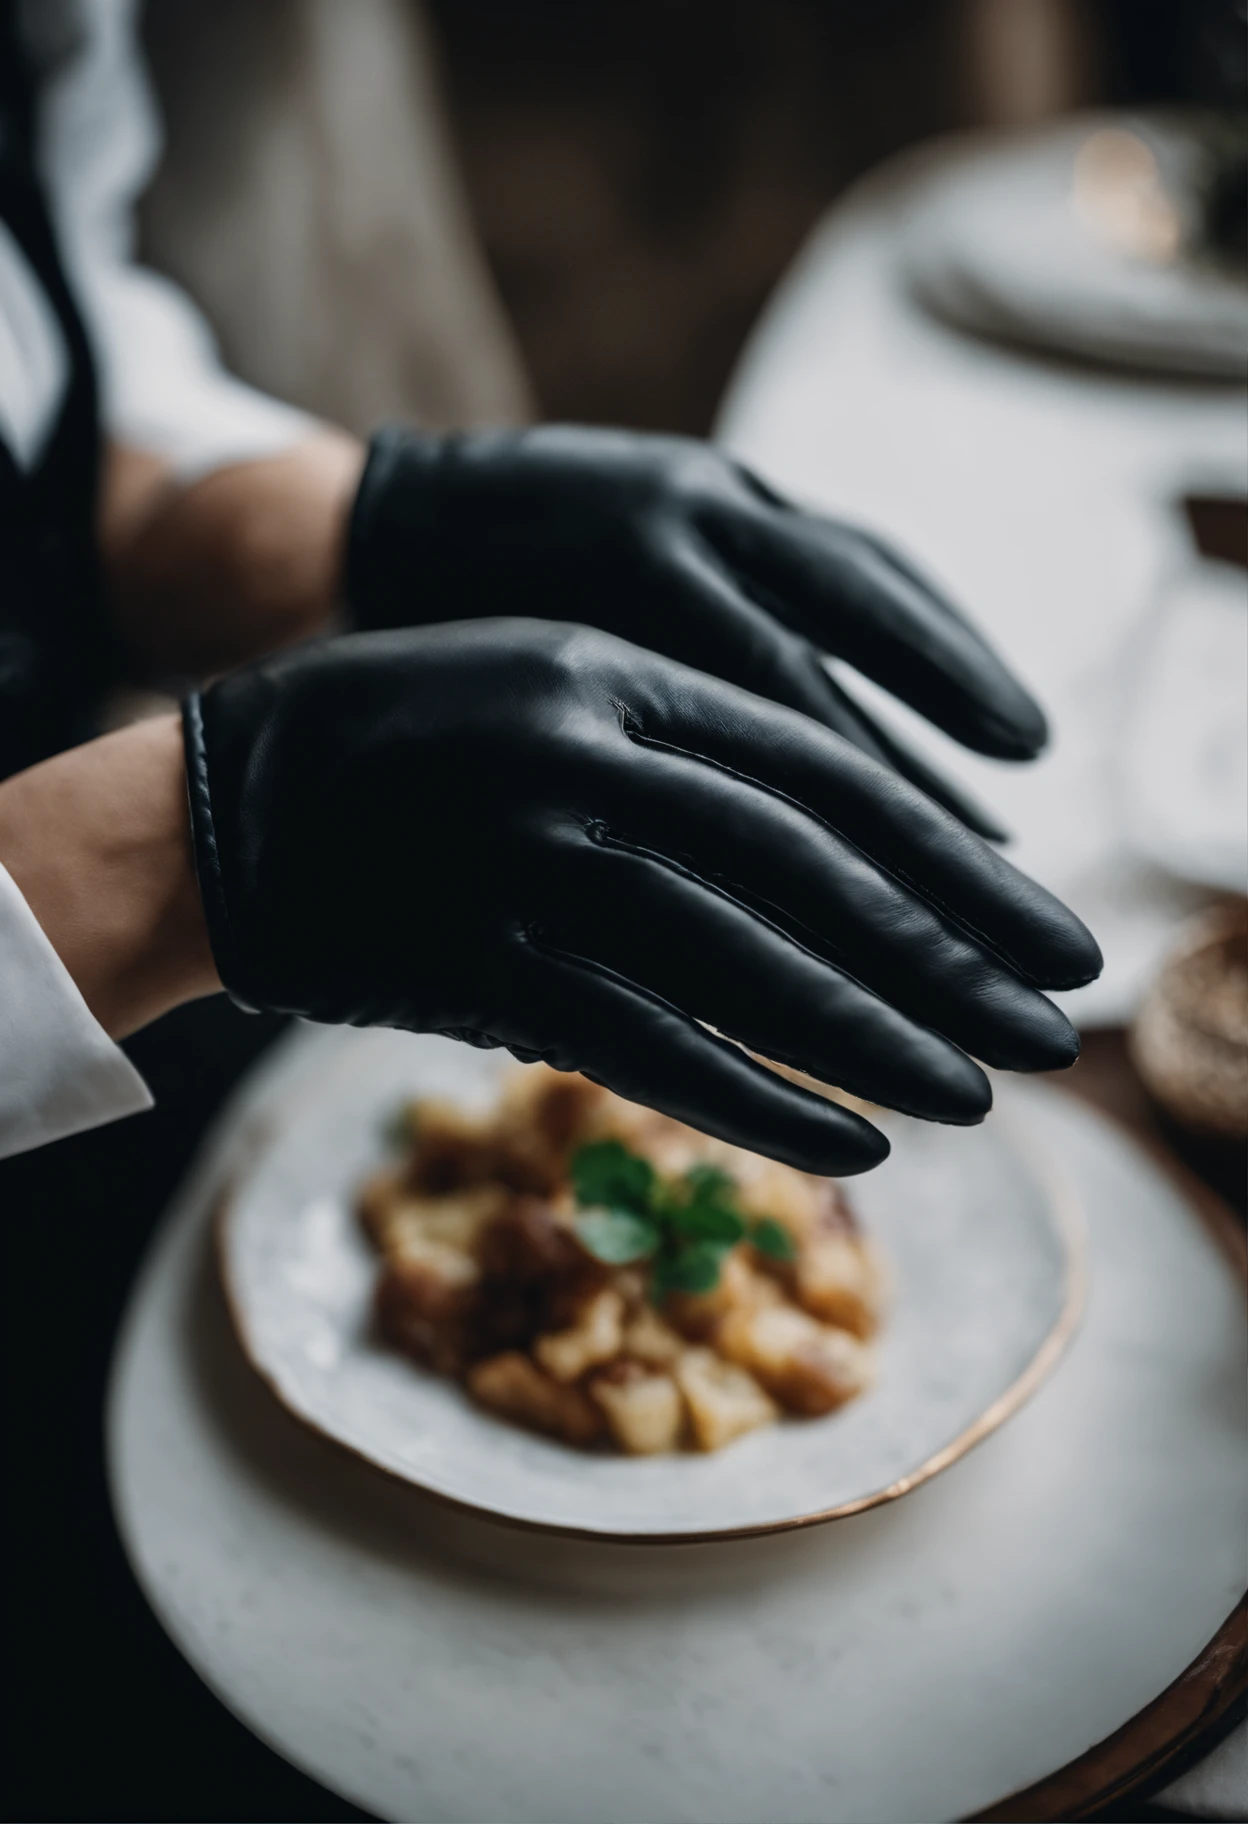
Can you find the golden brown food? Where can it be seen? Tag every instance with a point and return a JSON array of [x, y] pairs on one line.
[[644, 1409], [513, 1385], [608, 1276], [723, 1401]]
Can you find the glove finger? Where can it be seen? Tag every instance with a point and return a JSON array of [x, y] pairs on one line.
[[769, 854], [900, 829], [587, 1018], [850, 598], [696, 613], [699, 616], [654, 922], [873, 739]]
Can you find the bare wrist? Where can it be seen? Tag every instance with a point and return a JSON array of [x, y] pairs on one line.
[[98, 842], [244, 560]]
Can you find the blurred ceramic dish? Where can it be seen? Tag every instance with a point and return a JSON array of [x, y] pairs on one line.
[[987, 1266], [1190, 1039], [1183, 759], [1072, 239]]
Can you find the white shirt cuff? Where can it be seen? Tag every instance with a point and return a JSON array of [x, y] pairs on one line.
[[162, 388], [59, 1070]]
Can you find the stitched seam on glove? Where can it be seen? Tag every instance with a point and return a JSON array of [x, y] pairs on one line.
[[600, 834], [720, 1035], [632, 729], [533, 938], [822, 948], [207, 853]]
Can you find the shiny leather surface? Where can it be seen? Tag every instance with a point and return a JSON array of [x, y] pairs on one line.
[[669, 543], [536, 835]]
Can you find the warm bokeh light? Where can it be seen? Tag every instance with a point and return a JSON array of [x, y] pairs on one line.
[[1119, 195]]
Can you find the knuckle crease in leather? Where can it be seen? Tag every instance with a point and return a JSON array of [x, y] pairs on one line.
[[727, 891], [720, 1035], [820, 1076], [891, 868], [572, 959]]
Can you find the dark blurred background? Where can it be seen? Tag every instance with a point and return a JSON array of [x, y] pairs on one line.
[[641, 172]]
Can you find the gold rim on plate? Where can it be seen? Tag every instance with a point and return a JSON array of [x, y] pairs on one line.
[[1067, 1215]]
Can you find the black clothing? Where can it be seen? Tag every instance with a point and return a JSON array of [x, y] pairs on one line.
[[104, 1717], [56, 654]]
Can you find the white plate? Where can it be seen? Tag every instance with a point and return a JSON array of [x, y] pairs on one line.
[[1009, 245], [917, 1661], [986, 1293]]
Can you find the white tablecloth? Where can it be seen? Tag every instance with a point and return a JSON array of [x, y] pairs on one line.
[[1041, 494], [914, 1662]]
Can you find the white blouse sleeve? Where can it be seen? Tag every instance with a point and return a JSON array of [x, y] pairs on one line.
[[161, 384], [59, 1070]]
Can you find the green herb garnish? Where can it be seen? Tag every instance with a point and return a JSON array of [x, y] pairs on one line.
[[772, 1238], [617, 1236], [606, 1173], [685, 1225], [693, 1268]]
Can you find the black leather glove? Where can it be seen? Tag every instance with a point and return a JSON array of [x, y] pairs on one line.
[[671, 544], [538, 836]]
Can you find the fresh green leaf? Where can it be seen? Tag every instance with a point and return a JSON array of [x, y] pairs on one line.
[[772, 1238], [707, 1222], [690, 1269], [616, 1236], [708, 1184], [687, 1225], [605, 1174], [704, 1207]]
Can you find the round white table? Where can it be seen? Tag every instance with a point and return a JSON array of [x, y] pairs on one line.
[[916, 1662], [1043, 494]]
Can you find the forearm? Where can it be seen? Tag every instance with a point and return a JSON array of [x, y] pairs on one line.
[[98, 841], [248, 559]]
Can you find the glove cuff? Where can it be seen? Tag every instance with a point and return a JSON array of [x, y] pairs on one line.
[[221, 935], [391, 528]]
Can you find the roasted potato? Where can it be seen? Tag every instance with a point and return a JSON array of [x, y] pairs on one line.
[[644, 1409], [488, 1275], [425, 1301], [698, 1315], [594, 1338], [805, 1365], [650, 1339], [513, 1386], [722, 1400], [451, 1149], [839, 1279]]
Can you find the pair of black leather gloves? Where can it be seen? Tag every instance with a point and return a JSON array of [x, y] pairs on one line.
[[584, 787]]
